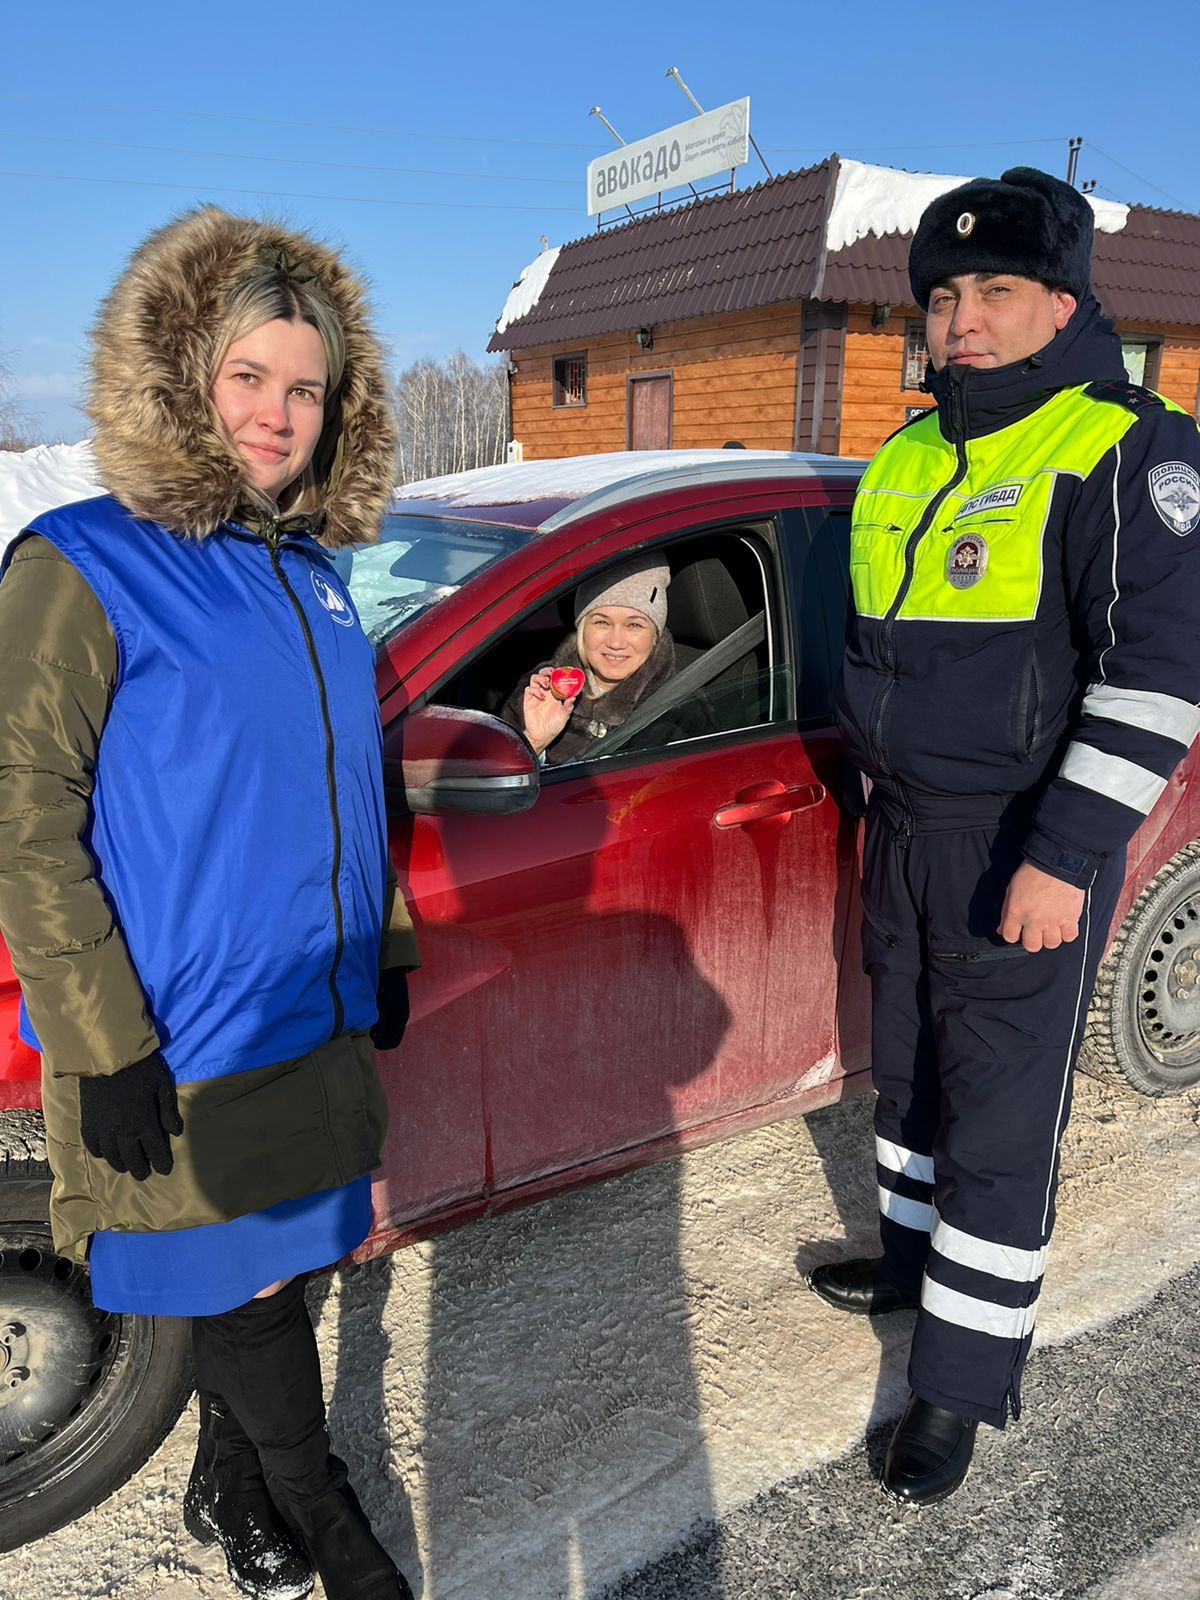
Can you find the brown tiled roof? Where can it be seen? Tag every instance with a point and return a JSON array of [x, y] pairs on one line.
[[759, 246], [1149, 272], [726, 253]]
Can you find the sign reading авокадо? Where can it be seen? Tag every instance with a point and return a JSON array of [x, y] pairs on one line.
[[713, 142]]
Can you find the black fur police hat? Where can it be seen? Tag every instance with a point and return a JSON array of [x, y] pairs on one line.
[[1024, 222]]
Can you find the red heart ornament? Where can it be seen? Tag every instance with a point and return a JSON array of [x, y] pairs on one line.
[[565, 682]]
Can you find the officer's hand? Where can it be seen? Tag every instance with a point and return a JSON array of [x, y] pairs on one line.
[[1040, 912]]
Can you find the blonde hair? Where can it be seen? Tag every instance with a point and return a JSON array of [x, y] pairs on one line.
[[268, 295]]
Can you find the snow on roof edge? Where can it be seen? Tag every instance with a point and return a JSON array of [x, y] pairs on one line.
[[527, 290], [883, 200]]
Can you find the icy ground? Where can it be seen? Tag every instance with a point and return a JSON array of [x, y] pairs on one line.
[[535, 1404]]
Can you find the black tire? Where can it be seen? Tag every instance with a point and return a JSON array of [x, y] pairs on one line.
[[1144, 1025], [85, 1396]]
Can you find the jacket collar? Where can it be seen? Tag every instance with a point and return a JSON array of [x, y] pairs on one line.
[[973, 403]]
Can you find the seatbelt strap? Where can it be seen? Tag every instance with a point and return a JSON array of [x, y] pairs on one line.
[[695, 676]]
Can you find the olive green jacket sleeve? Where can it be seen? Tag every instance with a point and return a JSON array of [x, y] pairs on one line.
[[58, 667], [399, 946]]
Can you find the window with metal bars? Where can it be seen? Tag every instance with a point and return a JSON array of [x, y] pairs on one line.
[[570, 379], [916, 354]]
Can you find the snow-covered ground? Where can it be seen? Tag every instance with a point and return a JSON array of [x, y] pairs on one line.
[[534, 1404]]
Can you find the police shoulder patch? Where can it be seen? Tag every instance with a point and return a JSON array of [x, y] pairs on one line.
[[1175, 495], [1130, 395]]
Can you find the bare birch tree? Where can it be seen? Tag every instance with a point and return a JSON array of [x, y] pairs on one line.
[[451, 416]]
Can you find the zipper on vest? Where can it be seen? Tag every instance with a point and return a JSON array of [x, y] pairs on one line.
[[958, 434], [330, 780]]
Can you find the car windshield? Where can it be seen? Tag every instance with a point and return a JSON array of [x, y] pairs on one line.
[[417, 562]]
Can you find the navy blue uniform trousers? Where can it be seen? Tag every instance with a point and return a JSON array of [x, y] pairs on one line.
[[973, 1047]]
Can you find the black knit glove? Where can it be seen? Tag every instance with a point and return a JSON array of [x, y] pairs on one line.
[[127, 1118], [392, 1000]]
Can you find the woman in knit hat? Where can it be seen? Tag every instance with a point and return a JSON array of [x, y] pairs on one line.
[[624, 648], [194, 883]]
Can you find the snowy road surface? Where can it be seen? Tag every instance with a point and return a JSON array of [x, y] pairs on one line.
[[556, 1401]]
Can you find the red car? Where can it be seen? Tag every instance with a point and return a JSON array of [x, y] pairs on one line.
[[624, 956]]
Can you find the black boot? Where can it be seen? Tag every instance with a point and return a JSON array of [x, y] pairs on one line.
[[263, 1359], [859, 1286], [227, 1500], [929, 1454]]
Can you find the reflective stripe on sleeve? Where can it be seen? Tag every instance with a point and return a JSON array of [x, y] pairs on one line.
[[1001, 1260], [906, 1162], [908, 1213], [1142, 708], [1113, 776], [965, 1311]]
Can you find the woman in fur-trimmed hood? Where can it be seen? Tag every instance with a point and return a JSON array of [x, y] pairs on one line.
[[194, 882]]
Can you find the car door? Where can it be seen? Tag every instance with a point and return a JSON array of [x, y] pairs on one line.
[[651, 949]]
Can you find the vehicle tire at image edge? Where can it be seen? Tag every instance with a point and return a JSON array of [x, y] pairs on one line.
[[1144, 1024], [86, 1396]]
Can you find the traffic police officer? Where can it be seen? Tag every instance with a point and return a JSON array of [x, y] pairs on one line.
[[1021, 679]]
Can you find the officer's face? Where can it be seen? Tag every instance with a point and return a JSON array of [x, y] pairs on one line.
[[984, 320]]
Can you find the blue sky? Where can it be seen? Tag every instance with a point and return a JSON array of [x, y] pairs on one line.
[[438, 143]]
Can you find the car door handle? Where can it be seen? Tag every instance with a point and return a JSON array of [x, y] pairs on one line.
[[763, 801]]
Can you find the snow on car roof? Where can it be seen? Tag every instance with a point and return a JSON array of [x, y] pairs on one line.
[[585, 483]]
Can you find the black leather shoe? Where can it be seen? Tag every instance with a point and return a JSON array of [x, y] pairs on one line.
[[929, 1453], [859, 1286]]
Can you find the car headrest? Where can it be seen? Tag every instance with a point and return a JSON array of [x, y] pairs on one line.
[[704, 604]]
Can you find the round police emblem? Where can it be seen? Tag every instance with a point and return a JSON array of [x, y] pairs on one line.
[[966, 561], [1175, 491], [336, 605], [965, 225]]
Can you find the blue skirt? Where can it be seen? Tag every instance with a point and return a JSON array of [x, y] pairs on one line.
[[198, 1272]]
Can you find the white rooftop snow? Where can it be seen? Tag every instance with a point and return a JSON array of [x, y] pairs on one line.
[[881, 200], [37, 480], [527, 290], [572, 477]]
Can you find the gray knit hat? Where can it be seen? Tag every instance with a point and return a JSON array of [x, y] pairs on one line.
[[640, 584]]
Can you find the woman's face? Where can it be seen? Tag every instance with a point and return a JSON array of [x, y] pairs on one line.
[[270, 396], [617, 641]]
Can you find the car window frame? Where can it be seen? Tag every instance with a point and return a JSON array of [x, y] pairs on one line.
[[765, 538]]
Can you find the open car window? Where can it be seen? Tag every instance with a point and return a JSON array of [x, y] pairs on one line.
[[417, 562], [721, 581]]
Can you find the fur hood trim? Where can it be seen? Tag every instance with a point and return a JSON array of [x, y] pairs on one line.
[[159, 445]]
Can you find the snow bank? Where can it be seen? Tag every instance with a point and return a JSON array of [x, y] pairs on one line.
[[49, 475], [527, 290], [880, 200]]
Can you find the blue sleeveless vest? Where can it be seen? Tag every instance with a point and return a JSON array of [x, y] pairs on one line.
[[238, 823]]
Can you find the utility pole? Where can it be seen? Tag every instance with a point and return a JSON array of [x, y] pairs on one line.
[[1074, 146]]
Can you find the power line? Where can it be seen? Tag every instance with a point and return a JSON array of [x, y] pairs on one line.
[[1096, 150], [287, 161], [852, 149], [328, 127], [281, 194]]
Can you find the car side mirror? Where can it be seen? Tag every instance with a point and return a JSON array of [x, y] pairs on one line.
[[443, 759]]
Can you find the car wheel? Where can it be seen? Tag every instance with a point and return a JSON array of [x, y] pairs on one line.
[[1144, 1025], [85, 1395]]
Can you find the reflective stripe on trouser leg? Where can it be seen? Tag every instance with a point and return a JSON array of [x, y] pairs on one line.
[[1009, 1026], [903, 1060]]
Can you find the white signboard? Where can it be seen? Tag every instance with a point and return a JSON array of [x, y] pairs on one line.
[[713, 142]]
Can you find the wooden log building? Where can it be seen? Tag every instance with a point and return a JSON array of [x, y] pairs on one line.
[[781, 317]]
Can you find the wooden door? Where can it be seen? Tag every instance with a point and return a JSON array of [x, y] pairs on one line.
[[649, 425]]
